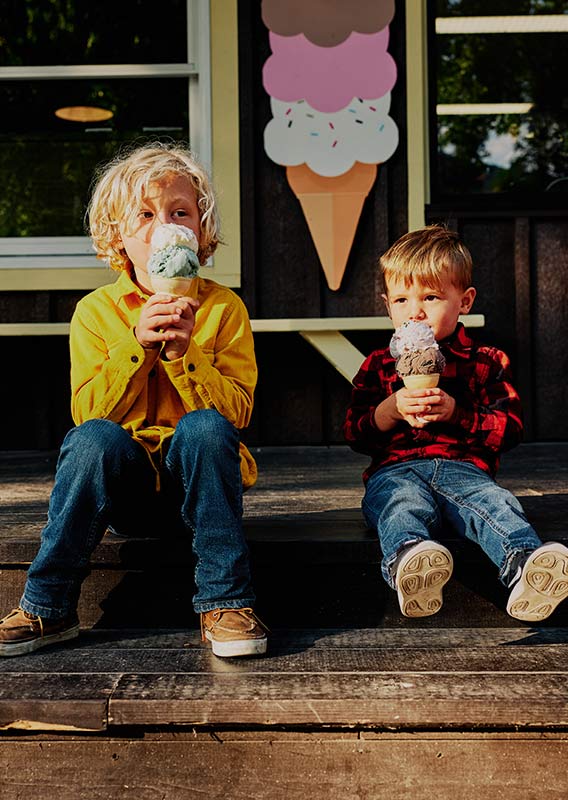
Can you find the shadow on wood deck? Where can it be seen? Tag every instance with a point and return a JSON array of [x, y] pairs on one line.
[[353, 700]]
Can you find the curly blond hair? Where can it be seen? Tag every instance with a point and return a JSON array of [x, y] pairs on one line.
[[120, 185], [429, 255]]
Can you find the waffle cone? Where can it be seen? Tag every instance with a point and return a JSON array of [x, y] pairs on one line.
[[332, 207], [178, 286], [421, 381]]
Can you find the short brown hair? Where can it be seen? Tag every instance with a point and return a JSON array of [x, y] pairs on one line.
[[428, 255], [120, 185]]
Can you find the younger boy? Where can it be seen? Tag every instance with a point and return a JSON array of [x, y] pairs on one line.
[[161, 386], [435, 452]]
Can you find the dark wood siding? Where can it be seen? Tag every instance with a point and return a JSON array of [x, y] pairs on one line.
[[550, 328], [520, 271]]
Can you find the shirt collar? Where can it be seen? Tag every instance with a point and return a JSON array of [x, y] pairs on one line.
[[126, 286], [458, 343], [129, 293], [126, 293]]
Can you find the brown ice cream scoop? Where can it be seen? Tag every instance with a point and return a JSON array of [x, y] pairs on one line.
[[419, 362]]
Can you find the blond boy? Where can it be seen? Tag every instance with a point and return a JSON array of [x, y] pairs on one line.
[[161, 387]]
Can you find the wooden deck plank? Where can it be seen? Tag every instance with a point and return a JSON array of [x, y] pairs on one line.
[[390, 766], [396, 700], [450, 700], [55, 700], [324, 478], [294, 660], [334, 639]]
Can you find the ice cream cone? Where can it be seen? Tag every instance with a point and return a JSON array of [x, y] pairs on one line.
[[421, 381], [177, 286], [332, 207]]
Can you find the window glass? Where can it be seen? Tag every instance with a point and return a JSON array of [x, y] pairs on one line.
[[64, 32], [500, 109], [47, 162]]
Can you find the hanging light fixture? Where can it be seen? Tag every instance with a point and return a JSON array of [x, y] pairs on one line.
[[83, 114]]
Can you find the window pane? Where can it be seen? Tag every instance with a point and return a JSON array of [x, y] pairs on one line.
[[501, 109], [47, 163], [47, 32]]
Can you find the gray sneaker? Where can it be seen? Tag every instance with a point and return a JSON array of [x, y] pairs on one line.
[[22, 633], [422, 572], [543, 584]]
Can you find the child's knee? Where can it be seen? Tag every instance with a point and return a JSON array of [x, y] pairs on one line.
[[206, 425], [100, 435]]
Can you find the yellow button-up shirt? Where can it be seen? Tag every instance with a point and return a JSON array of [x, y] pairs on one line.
[[114, 377]]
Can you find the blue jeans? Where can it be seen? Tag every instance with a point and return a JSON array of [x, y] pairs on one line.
[[105, 478], [412, 501]]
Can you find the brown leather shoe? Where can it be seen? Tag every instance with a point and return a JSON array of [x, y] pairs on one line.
[[22, 633], [234, 632]]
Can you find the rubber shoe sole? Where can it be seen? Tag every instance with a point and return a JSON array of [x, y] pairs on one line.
[[22, 648], [543, 584], [238, 647], [420, 577]]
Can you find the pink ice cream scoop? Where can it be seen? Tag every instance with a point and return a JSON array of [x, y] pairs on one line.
[[328, 78]]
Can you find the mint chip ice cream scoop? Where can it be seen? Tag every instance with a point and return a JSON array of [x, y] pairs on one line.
[[173, 264]]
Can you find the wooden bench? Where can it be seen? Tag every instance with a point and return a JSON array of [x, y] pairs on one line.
[[323, 333]]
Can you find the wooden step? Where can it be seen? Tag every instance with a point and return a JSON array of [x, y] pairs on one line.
[[285, 765], [408, 679], [352, 700], [314, 561]]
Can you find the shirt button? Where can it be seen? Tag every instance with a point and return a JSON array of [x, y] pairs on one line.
[[134, 359], [191, 367]]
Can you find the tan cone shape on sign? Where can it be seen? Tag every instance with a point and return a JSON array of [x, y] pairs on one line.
[[332, 207]]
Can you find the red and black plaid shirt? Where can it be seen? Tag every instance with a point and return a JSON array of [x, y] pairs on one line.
[[487, 420]]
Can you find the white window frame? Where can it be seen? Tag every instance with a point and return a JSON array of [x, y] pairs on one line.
[[417, 137], [68, 262], [417, 108]]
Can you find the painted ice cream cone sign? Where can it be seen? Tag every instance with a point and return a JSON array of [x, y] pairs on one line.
[[332, 206], [330, 78]]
